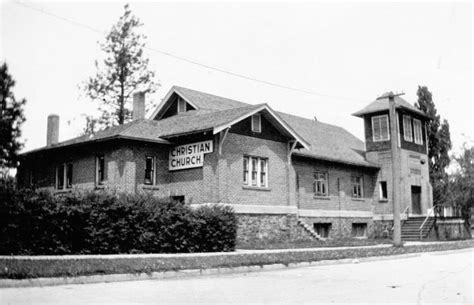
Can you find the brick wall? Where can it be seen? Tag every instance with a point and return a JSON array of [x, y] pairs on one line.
[[339, 186], [232, 189]]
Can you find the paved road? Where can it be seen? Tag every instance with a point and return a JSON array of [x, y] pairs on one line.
[[434, 277]]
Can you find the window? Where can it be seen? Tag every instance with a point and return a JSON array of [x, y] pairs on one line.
[[181, 105], [149, 170], [69, 175], [246, 170], [359, 230], [263, 172], [320, 184], [177, 199], [322, 229], [60, 177], [417, 129], [380, 131], [254, 170], [64, 176], [383, 190], [100, 170], [356, 186], [407, 130], [258, 170], [256, 123]]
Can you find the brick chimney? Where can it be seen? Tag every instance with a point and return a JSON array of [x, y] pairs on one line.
[[52, 135], [138, 106]]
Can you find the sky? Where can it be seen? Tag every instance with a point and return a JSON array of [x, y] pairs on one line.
[[342, 54]]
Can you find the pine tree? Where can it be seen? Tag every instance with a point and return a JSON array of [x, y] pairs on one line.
[[439, 144], [123, 72], [11, 119]]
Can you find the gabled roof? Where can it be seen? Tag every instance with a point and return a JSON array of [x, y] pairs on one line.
[[328, 142], [214, 114], [125, 131], [198, 100], [382, 104], [162, 131]]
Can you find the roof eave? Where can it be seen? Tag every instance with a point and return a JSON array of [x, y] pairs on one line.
[[92, 141], [311, 156], [287, 128]]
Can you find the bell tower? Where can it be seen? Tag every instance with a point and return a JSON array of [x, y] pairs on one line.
[[403, 160]]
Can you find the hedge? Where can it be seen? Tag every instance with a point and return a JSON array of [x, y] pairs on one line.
[[36, 223]]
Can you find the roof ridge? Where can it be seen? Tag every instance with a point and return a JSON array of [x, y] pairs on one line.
[[202, 92]]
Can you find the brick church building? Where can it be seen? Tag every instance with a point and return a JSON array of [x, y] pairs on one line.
[[286, 177]]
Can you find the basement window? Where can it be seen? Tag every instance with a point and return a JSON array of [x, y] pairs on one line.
[[256, 123], [383, 190], [322, 229], [177, 199], [359, 230]]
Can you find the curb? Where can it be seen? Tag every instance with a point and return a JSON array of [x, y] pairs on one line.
[[189, 273]]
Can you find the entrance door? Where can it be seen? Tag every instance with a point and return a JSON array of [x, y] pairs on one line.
[[416, 199]]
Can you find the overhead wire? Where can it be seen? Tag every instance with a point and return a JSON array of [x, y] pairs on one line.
[[197, 63]]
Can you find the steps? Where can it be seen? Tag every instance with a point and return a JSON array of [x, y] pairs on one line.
[[411, 228], [309, 229]]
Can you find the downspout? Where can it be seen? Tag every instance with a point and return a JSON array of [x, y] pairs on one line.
[[339, 201]]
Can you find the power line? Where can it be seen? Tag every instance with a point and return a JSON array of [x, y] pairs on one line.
[[196, 63]]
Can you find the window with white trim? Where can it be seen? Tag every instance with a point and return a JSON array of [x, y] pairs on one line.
[[69, 175], [246, 170], [100, 170], [256, 123], [320, 185], [380, 130], [417, 131], [60, 172], [357, 186], [255, 171], [407, 130], [149, 170], [64, 176], [181, 105]]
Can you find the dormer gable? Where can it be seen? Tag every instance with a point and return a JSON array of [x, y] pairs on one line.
[[172, 105]]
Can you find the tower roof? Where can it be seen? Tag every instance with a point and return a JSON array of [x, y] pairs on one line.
[[382, 103]]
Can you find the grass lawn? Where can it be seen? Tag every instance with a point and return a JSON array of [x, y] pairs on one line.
[[346, 242]]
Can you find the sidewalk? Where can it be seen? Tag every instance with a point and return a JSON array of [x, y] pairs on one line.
[[28, 271]]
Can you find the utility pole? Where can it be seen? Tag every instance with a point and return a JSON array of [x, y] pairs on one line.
[[396, 163]]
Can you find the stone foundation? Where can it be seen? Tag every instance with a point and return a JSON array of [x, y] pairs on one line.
[[342, 227], [257, 228], [450, 229], [383, 229]]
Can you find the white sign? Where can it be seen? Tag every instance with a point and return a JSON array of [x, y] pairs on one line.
[[189, 155]]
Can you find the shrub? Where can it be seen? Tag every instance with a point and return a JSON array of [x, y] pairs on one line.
[[33, 223]]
